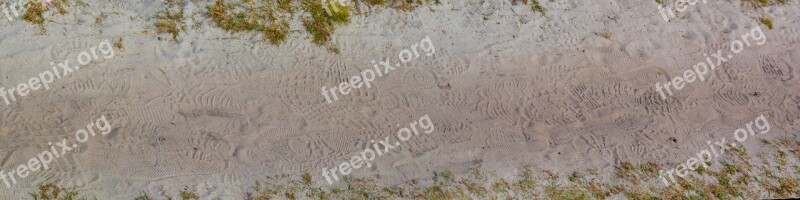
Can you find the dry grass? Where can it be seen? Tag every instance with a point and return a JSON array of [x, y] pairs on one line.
[[171, 20], [35, 15], [756, 3], [271, 18], [35, 12]]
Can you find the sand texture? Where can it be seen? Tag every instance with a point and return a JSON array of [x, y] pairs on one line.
[[215, 111]]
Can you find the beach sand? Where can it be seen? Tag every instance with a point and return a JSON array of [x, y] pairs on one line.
[[216, 111]]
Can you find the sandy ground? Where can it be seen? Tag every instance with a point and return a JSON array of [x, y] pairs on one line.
[[505, 88]]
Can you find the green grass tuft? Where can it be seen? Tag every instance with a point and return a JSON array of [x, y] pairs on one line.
[[767, 22]]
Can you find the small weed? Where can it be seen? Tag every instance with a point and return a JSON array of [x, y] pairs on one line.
[[189, 195], [767, 22], [35, 14], [700, 170], [118, 44], [307, 179], [501, 186], [100, 19], [575, 177], [52, 192], [171, 20], [607, 35], [536, 7]]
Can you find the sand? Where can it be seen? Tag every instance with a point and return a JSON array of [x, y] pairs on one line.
[[506, 87]]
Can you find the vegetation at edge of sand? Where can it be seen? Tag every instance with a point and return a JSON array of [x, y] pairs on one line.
[[35, 11], [320, 23], [271, 19], [51, 191], [730, 177], [536, 7]]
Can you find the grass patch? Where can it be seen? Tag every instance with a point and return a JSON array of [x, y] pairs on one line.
[[272, 18], [307, 179], [171, 19], [35, 11], [536, 7], [731, 179], [51, 191]]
